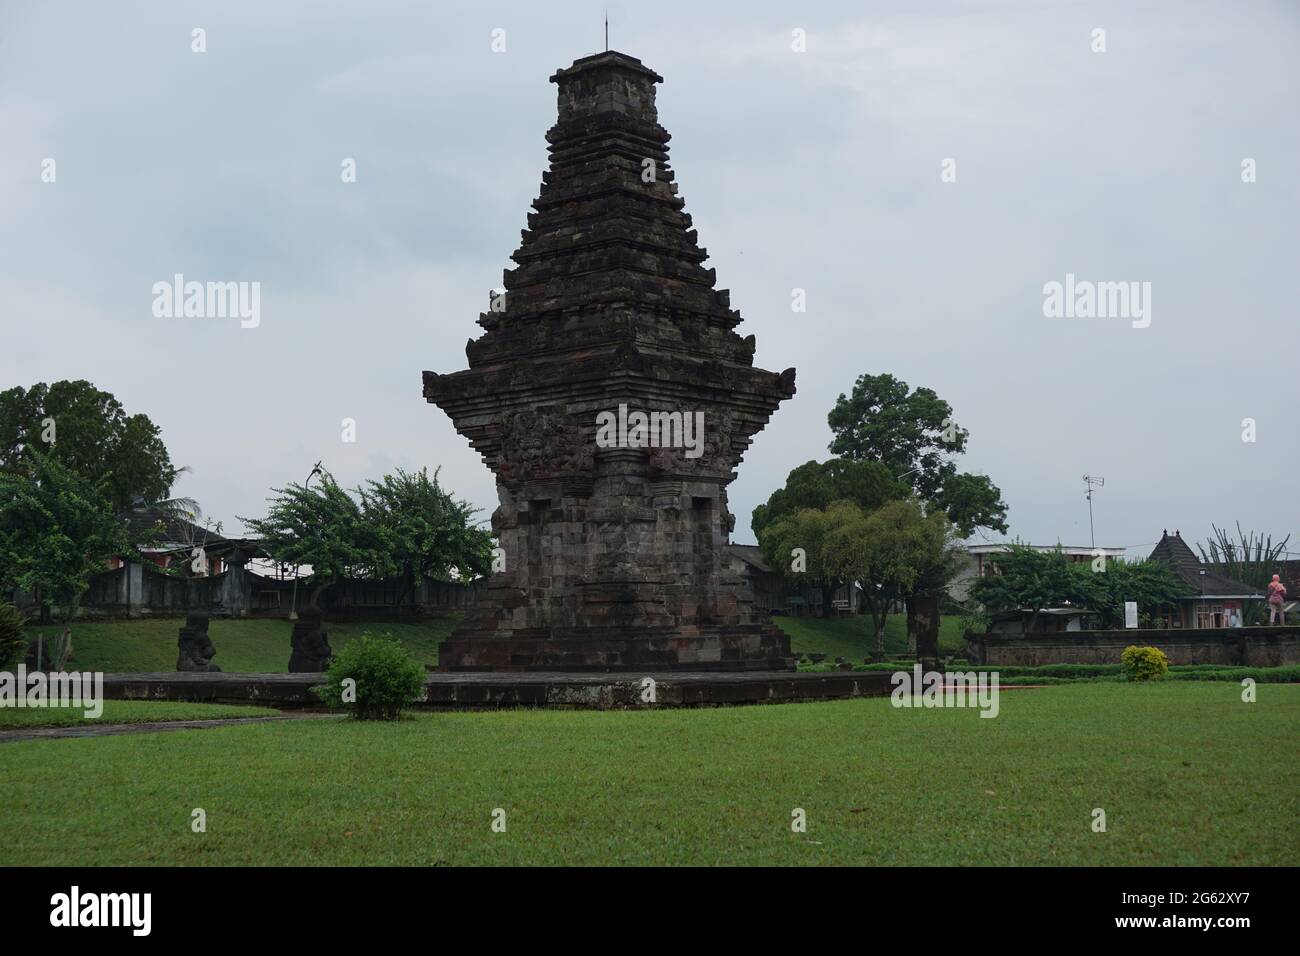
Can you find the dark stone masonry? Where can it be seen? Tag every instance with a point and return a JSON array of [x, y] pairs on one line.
[[613, 549], [195, 649], [309, 645], [1232, 646]]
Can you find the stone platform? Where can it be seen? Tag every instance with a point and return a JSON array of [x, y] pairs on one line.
[[472, 690]]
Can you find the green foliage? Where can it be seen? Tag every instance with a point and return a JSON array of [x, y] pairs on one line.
[[972, 501], [1249, 559], [12, 642], [1144, 663], [320, 526], [93, 436], [57, 530], [386, 679], [1152, 584], [406, 524], [912, 433], [896, 551], [819, 484], [1032, 580], [422, 531], [805, 530], [1028, 579]]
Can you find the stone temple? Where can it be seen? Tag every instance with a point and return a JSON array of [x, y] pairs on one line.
[[612, 537]]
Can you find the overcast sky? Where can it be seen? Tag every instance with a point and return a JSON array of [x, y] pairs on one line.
[[818, 170]]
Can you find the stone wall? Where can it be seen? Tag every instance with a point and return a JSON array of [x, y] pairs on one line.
[[1253, 646], [135, 590]]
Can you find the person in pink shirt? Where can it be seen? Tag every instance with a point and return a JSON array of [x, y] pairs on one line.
[[1276, 592]]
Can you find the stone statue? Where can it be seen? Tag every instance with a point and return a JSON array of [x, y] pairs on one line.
[[310, 647], [196, 650]]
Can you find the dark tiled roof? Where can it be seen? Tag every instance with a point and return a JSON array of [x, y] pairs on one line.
[[157, 527], [751, 554], [1172, 549]]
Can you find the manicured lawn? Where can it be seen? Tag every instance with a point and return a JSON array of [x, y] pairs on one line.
[[243, 646], [262, 645], [1186, 773], [125, 712], [853, 636]]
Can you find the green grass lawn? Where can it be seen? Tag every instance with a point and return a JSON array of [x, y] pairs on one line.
[[853, 636], [250, 645], [1186, 773], [124, 712]]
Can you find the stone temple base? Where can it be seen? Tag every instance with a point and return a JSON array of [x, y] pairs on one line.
[[753, 647]]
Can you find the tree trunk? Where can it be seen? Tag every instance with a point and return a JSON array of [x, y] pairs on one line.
[[879, 613], [923, 628]]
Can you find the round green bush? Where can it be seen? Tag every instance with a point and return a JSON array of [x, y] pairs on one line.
[[1144, 663], [12, 644], [373, 678]]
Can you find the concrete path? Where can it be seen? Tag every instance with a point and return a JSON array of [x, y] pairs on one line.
[[144, 727]]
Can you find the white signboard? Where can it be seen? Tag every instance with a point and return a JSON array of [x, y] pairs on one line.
[[1130, 614]]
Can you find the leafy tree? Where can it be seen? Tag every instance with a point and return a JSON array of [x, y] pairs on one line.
[[817, 484], [423, 531], [12, 643], [972, 501], [406, 524], [794, 545], [321, 526], [91, 434], [1151, 584], [1026, 579], [57, 530], [896, 552], [912, 433]]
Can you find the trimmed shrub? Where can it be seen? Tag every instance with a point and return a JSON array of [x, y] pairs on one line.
[[373, 678], [1144, 663], [12, 644]]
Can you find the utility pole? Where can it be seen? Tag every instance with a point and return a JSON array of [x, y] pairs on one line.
[[1092, 483], [293, 604]]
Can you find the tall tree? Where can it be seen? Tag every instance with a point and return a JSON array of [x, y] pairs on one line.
[[1030, 580], [321, 526], [57, 530], [794, 544], [912, 433], [88, 431], [423, 530], [1149, 584], [817, 485], [896, 552], [406, 524]]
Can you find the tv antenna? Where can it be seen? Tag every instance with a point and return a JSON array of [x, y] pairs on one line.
[[1092, 483], [607, 30]]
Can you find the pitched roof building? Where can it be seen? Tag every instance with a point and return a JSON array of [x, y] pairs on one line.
[[1214, 597]]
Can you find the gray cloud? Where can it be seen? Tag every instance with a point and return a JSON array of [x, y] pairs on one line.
[[816, 170]]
